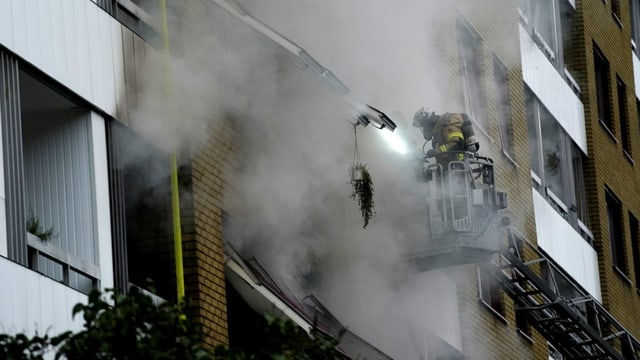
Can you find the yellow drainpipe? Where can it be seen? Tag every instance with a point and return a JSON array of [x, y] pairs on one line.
[[175, 198]]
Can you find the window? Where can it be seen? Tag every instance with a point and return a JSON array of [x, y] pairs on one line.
[[557, 165], [470, 49], [624, 119], [490, 291], [133, 14], [634, 228], [634, 14], [141, 213], [615, 11], [501, 82], [49, 178], [549, 23], [523, 322], [616, 237], [601, 66]]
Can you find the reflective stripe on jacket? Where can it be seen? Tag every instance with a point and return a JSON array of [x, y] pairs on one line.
[[447, 133]]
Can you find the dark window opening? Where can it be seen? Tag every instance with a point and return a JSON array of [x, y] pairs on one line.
[[624, 119], [634, 228], [142, 200], [603, 93], [501, 82], [616, 233], [522, 321], [490, 291]]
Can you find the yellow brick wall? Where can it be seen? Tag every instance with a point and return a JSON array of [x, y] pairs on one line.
[[607, 165], [487, 335], [202, 232]]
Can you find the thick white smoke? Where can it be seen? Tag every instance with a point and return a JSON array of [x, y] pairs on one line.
[[288, 196]]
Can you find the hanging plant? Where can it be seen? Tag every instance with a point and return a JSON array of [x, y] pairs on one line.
[[362, 190]]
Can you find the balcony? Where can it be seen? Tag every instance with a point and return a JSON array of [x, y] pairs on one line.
[[565, 245], [553, 89]]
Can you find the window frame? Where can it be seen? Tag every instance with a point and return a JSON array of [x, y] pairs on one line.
[[621, 93], [634, 17], [472, 70], [573, 201], [615, 225], [503, 108], [634, 234], [490, 293], [602, 75]]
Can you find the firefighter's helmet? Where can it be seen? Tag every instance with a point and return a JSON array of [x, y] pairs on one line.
[[424, 119]]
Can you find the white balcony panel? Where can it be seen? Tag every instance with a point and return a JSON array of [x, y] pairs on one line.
[[558, 239], [3, 228], [636, 73], [37, 303], [103, 212], [73, 41], [552, 90]]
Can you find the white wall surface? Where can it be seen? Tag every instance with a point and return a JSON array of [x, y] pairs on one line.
[[552, 90], [37, 303], [558, 239], [636, 73], [103, 213], [434, 306], [74, 41]]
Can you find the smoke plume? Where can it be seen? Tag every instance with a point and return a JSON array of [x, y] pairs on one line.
[[288, 195]]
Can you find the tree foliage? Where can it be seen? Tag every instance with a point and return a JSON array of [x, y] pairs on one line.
[[131, 326]]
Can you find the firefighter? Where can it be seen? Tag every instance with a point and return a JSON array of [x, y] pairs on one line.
[[451, 134]]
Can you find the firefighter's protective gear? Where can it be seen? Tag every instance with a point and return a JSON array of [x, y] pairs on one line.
[[470, 141], [425, 120]]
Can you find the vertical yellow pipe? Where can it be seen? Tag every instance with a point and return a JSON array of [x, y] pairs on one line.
[[175, 198]]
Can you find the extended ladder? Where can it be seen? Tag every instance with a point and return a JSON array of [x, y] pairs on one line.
[[563, 312]]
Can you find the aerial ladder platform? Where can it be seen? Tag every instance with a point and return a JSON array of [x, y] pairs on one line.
[[571, 319], [468, 224]]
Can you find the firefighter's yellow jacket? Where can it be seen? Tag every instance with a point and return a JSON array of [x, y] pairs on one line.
[[447, 133]]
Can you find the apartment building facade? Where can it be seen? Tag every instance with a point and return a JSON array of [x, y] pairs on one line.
[[553, 90]]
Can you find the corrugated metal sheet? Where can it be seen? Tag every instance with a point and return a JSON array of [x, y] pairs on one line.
[[37, 302], [12, 155], [560, 241], [552, 90], [118, 215], [74, 41], [59, 180]]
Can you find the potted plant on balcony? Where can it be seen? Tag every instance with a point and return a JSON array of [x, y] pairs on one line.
[[34, 227]]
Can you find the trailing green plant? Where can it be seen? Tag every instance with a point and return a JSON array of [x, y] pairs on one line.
[[362, 190], [34, 227]]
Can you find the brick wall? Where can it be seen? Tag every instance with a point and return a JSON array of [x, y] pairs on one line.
[[202, 232], [487, 335], [607, 166]]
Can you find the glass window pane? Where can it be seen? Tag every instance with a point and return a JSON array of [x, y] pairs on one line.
[[534, 136]]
